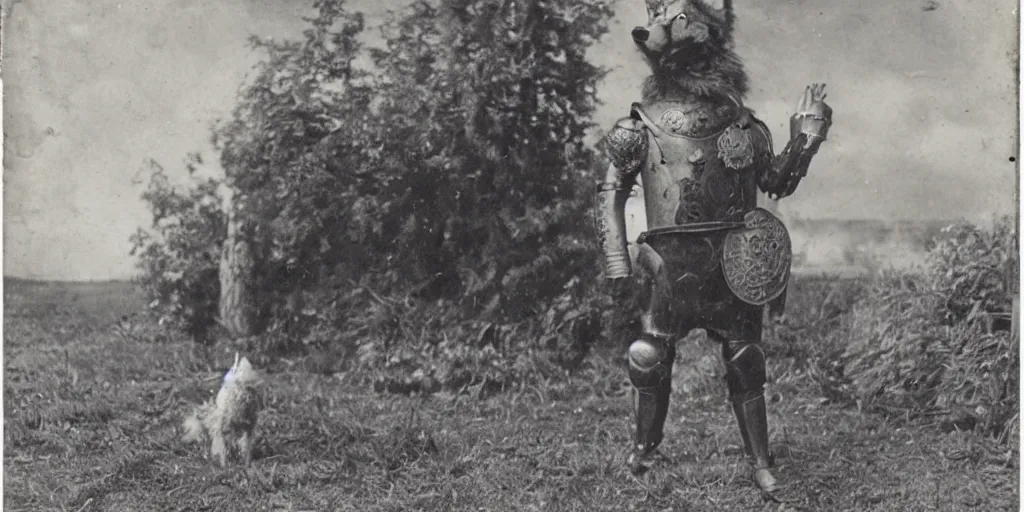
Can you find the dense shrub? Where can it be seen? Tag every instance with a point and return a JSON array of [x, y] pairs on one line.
[[815, 308], [920, 341], [485, 173], [179, 255], [396, 199], [969, 267]]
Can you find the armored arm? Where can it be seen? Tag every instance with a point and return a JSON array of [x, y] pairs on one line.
[[626, 146], [808, 129]]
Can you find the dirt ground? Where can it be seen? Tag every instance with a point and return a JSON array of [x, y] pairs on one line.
[[92, 418]]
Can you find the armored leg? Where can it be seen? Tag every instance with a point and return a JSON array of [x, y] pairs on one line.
[[650, 372], [745, 377], [651, 357]]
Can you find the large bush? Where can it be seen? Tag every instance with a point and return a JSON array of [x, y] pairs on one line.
[[448, 178], [921, 340]]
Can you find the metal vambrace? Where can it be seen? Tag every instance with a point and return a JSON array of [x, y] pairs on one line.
[[627, 146], [650, 372], [786, 170], [611, 225]]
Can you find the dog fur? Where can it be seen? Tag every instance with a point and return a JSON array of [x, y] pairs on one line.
[[229, 417]]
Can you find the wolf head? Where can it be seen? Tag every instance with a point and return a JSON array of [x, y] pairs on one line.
[[690, 43]]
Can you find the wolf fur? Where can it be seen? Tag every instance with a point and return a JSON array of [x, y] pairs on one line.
[[689, 48], [229, 417]]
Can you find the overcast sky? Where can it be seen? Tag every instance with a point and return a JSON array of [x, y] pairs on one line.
[[924, 100]]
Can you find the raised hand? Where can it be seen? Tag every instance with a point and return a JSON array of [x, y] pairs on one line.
[[813, 116]]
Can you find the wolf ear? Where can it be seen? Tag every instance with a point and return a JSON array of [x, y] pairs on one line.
[[654, 6], [722, 9], [244, 364]]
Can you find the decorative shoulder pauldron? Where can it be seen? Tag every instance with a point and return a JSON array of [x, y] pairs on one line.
[[736, 146], [627, 145]]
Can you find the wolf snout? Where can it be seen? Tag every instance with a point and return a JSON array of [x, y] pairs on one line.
[[641, 34]]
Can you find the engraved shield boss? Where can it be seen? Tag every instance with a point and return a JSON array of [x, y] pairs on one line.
[[756, 260]]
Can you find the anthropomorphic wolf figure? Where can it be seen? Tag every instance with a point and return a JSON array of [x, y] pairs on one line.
[[711, 259], [230, 416]]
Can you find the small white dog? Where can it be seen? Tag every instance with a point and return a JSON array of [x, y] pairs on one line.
[[231, 415]]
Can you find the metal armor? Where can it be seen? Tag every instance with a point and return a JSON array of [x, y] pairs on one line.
[[711, 259]]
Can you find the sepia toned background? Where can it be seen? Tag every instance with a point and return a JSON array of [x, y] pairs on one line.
[[923, 92]]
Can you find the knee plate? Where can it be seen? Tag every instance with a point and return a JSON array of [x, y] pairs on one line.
[[650, 361], [745, 372], [650, 372]]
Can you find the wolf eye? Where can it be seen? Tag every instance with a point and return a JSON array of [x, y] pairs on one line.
[[681, 16]]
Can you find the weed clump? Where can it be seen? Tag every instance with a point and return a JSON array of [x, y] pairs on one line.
[[922, 340]]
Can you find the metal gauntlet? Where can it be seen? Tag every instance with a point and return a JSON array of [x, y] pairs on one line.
[[813, 123], [808, 128], [627, 146]]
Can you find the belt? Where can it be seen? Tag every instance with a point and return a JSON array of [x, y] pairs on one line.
[[692, 227]]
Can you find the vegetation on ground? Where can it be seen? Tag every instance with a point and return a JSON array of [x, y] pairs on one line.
[[922, 342], [85, 430]]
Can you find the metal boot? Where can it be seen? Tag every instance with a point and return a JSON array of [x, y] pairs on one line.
[[752, 417], [745, 377]]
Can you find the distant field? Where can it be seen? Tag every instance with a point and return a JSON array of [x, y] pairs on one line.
[[96, 301], [859, 246], [92, 414], [846, 247]]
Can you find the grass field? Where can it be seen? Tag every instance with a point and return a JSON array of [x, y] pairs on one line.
[[92, 416]]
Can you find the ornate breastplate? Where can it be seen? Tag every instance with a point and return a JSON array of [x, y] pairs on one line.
[[696, 121], [701, 163]]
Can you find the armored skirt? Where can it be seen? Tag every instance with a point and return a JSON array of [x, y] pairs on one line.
[[713, 275]]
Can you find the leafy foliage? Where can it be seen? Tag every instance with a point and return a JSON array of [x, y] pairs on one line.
[[921, 340], [485, 106], [179, 255], [413, 346], [296, 150], [449, 175], [969, 266]]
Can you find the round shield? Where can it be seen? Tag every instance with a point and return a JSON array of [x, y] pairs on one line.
[[756, 259]]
